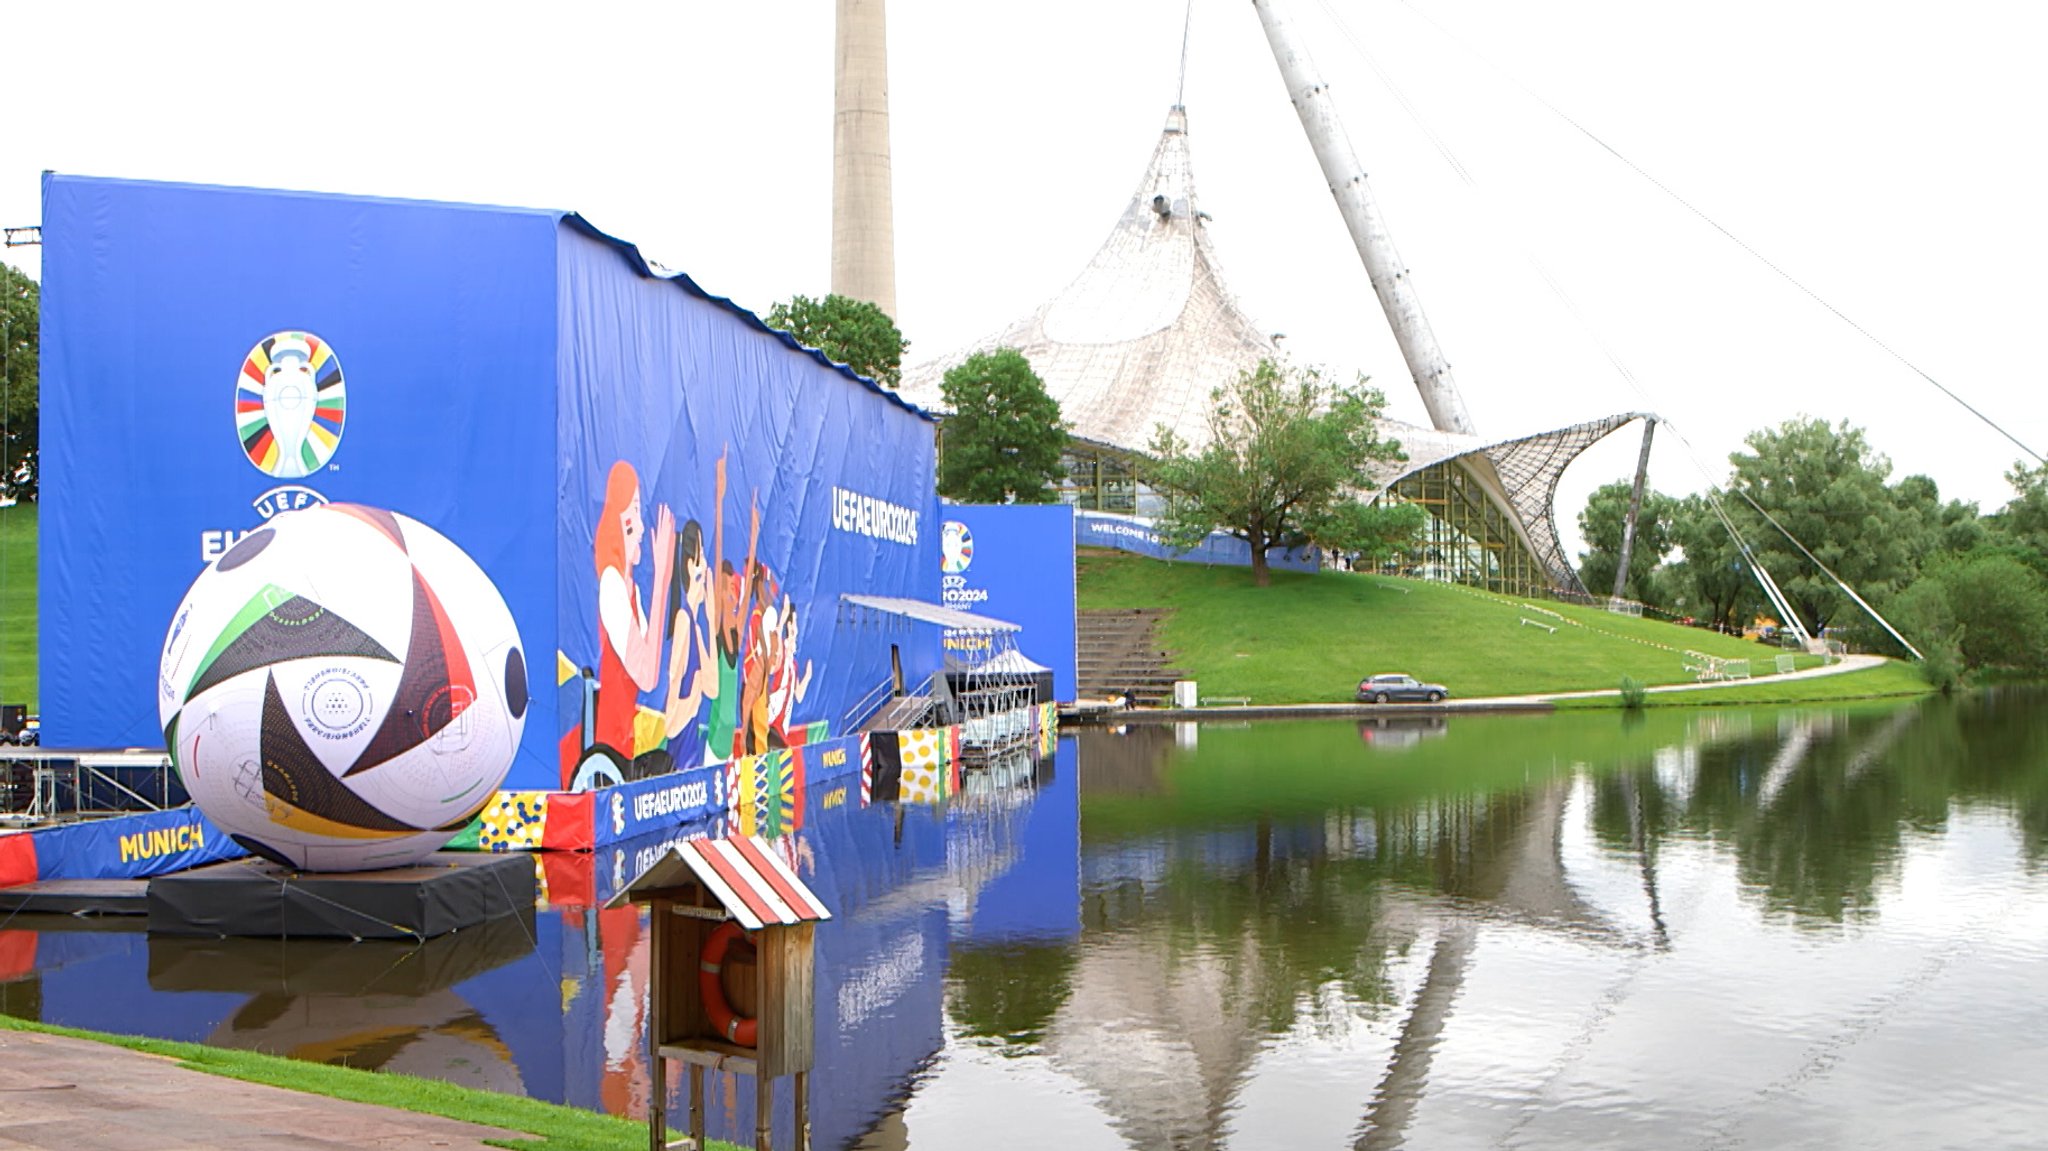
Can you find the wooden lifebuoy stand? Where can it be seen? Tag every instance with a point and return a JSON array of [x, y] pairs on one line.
[[724, 894]]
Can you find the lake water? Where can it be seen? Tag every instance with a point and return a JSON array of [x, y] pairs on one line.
[[1691, 929]]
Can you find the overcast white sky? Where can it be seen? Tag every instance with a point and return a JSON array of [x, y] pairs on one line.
[[1889, 156]]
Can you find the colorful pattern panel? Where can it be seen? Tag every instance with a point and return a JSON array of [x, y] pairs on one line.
[[1048, 728], [514, 821], [867, 771], [926, 759]]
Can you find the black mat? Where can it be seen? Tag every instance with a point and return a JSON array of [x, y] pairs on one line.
[[76, 897], [448, 891]]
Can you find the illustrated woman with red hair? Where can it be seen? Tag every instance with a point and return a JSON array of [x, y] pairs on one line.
[[631, 640]]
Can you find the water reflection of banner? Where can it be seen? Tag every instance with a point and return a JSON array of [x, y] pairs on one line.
[[1039, 897], [879, 980], [94, 975]]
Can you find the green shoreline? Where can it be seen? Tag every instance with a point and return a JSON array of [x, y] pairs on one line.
[[554, 1127]]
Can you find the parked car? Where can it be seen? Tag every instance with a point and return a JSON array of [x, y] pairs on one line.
[[1385, 688]]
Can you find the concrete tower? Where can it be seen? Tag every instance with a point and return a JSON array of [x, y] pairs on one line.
[[863, 214]]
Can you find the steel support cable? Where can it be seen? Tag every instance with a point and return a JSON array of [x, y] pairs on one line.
[[1187, 27], [1713, 494], [1400, 97], [1738, 241], [1839, 581], [1771, 589], [1770, 586]]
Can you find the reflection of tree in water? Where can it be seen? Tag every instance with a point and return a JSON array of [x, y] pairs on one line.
[[1207, 937], [1203, 945], [1818, 809], [1008, 992], [1997, 746], [1211, 944]]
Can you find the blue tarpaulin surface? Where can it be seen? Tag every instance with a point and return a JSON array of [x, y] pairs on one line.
[[504, 368], [1131, 534]]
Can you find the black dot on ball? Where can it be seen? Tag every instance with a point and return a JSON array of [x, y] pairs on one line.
[[247, 548], [515, 683]]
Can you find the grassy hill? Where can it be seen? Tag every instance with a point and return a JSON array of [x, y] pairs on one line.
[[18, 604], [1305, 639], [1311, 638]]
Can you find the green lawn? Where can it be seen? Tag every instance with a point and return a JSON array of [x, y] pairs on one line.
[[1305, 639], [1311, 638], [18, 605], [555, 1128]]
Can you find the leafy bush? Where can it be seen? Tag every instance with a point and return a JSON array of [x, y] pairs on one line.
[[1942, 666], [1633, 693]]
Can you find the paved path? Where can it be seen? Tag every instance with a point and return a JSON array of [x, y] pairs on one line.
[[1846, 664], [65, 1094]]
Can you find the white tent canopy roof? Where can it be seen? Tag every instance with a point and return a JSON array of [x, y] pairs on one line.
[[923, 612], [1147, 329]]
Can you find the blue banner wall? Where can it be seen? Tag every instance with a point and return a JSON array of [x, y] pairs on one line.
[[131, 846], [827, 489], [154, 295], [513, 379], [1130, 534], [1015, 562]]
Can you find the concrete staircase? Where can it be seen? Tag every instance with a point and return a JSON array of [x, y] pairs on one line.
[[1118, 650]]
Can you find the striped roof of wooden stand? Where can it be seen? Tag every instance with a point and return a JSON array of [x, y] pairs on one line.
[[742, 872]]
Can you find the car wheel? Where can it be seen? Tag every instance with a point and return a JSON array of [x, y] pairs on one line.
[[1436, 697], [1379, 697]]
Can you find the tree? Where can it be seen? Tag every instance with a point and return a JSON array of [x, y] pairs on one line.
[[1923, 614], [2001, 607], [1602, 522], [1719, 590], [2023, 523], [1288, 458], [1826, 486], [1952, 528], [1989, 608], [19, 405], [852, 332], [1002, 443]]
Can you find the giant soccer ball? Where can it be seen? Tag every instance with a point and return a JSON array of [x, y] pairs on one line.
[[343, 690]]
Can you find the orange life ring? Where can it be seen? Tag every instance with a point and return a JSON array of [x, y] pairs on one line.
[[735, 1027]]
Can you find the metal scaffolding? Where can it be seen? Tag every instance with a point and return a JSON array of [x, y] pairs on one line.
[[984, 684]]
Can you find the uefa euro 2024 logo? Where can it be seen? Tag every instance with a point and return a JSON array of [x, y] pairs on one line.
[[290, 404], [956, 548]]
